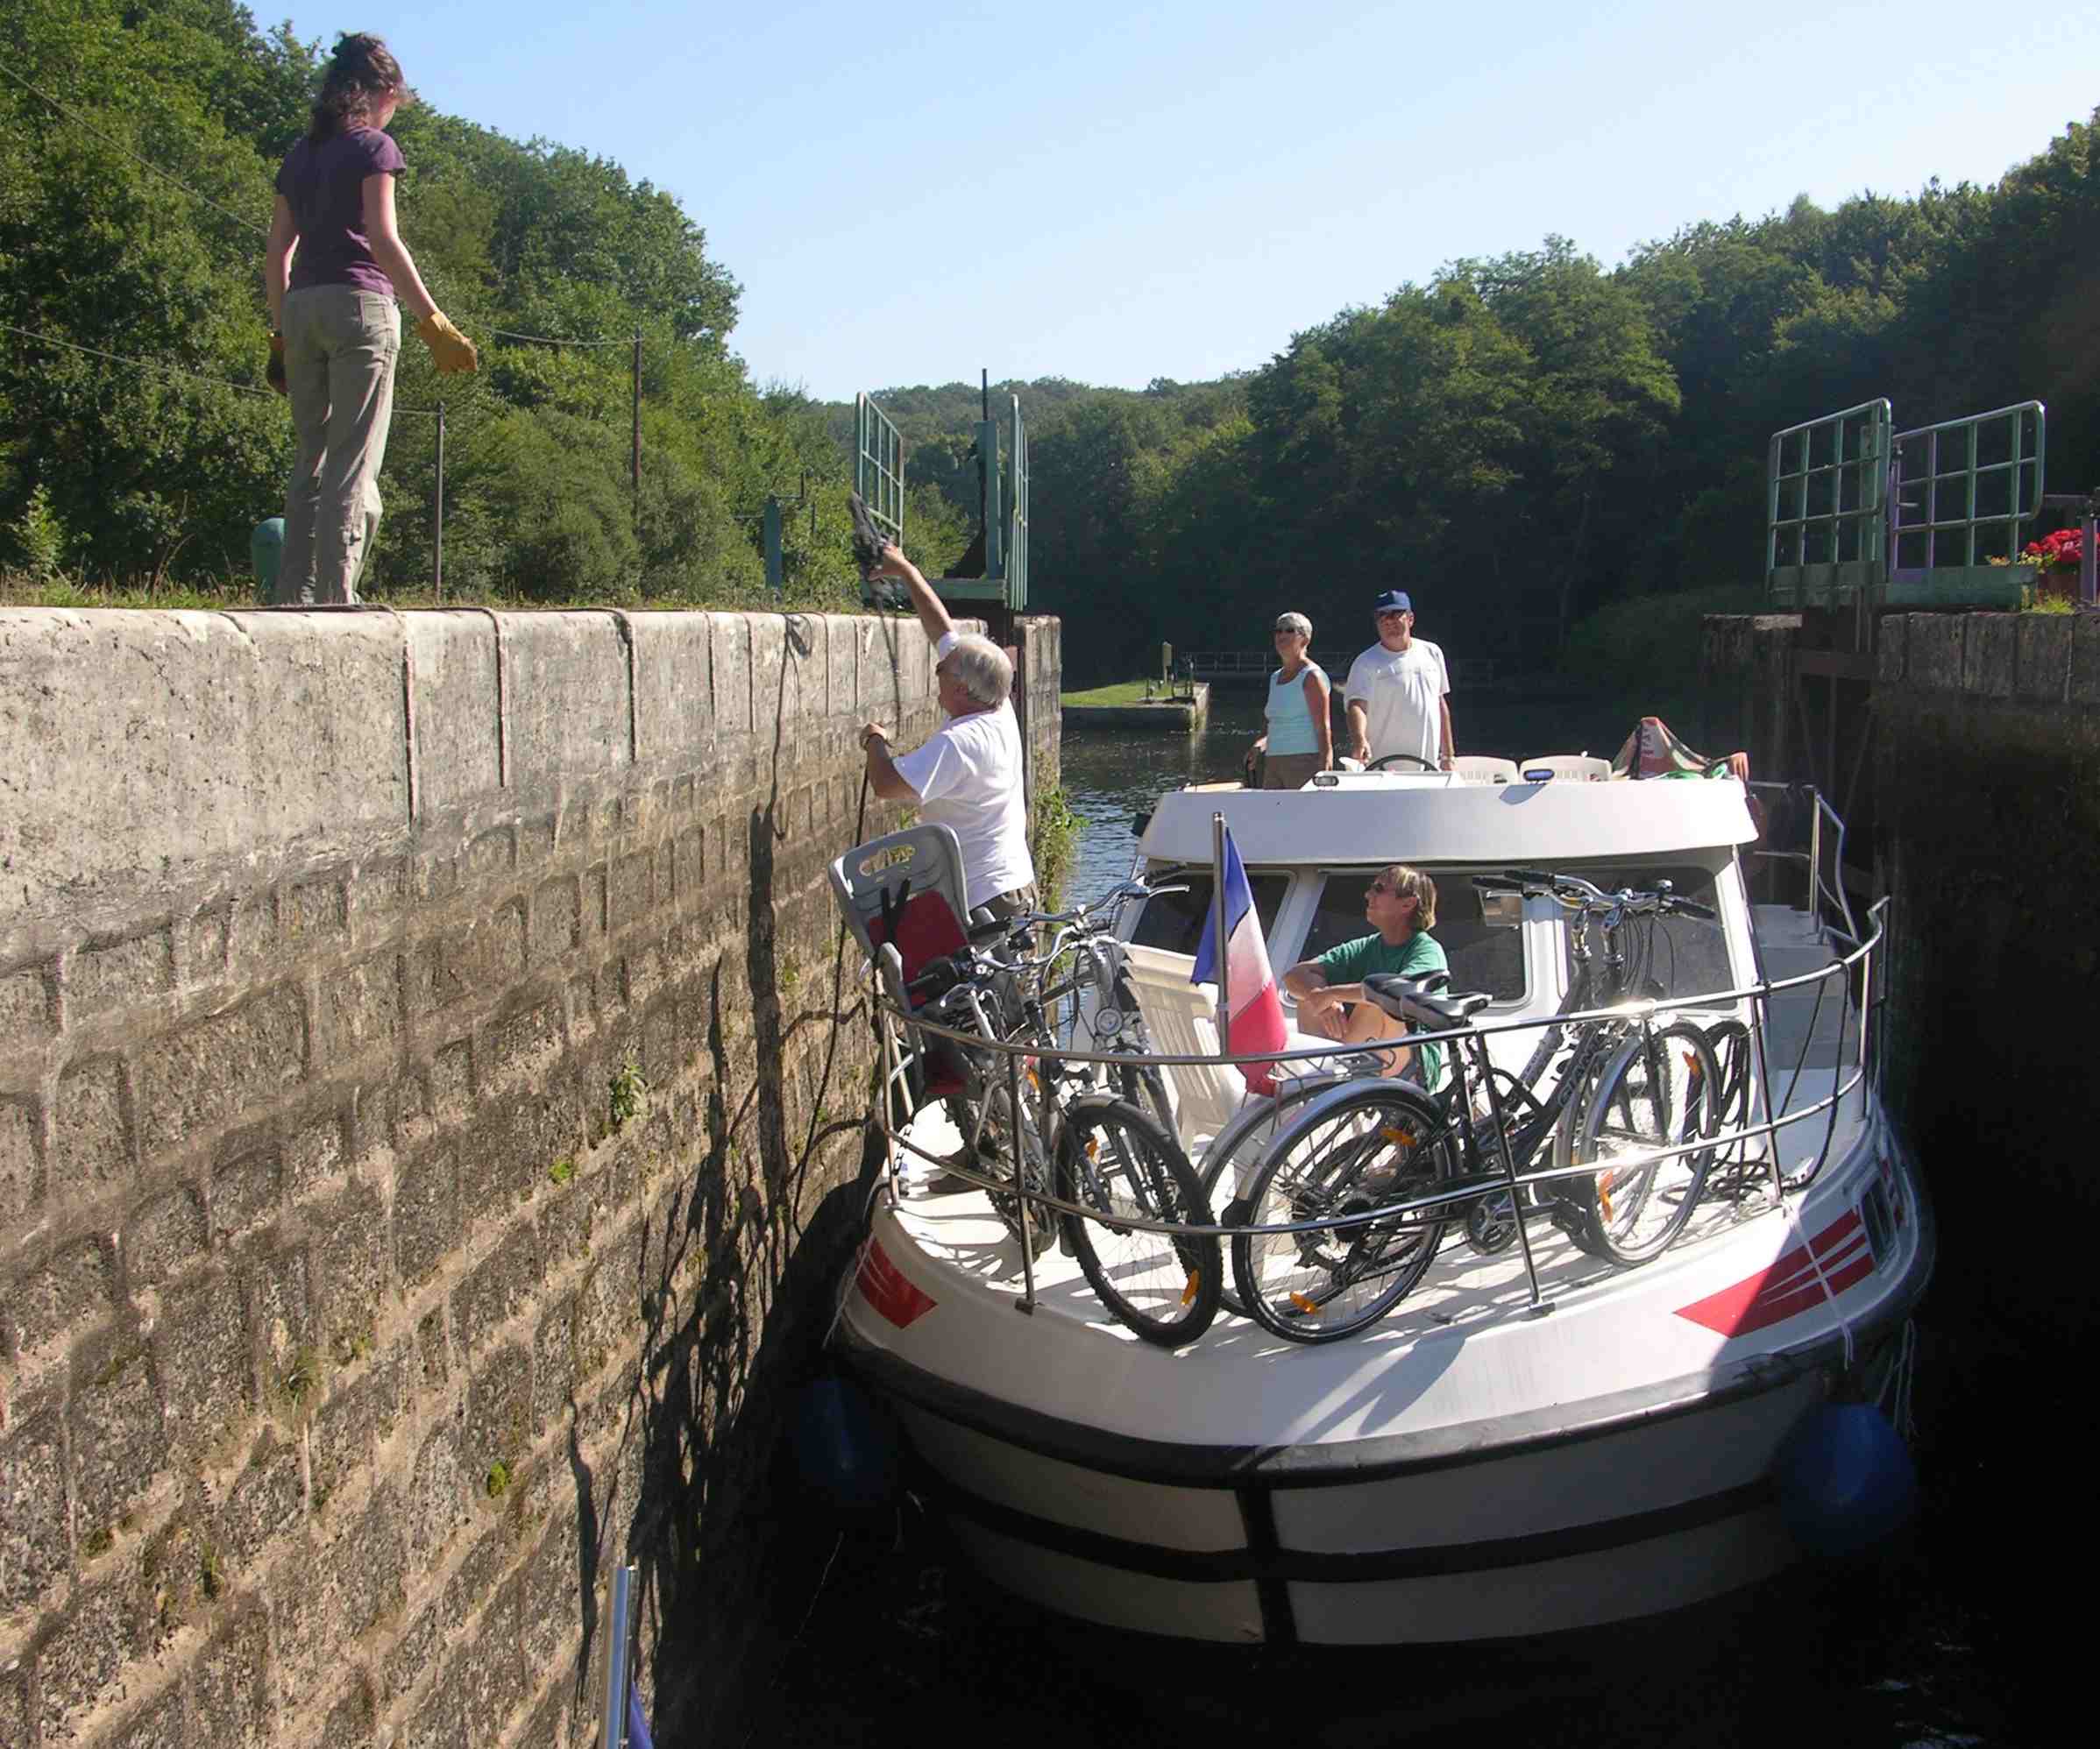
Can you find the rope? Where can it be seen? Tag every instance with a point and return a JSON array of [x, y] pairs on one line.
[[82, 122], [551, 339]]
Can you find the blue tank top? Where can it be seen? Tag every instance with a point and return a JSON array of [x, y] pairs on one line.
[[1290, 723]]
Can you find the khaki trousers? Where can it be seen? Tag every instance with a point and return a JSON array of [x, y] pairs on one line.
[[340, 347]]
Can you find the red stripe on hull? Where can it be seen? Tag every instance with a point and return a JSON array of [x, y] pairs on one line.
[[1789, 1285], [888, 1290]]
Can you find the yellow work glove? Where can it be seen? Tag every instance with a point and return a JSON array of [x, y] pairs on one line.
[[451, 349], [274, 372]]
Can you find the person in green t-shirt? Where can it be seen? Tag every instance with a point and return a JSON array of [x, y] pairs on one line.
[[1401, 905]]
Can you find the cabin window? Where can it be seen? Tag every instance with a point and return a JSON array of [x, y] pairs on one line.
[[1689, 956], [1483, 956], [1174, 922]]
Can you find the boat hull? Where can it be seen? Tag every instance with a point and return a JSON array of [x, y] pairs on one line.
[[1552, 1516]]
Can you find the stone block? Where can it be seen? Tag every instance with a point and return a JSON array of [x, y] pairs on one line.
[[364, 1565], [227, 1064], [230, 1687], [346, 1238], [433, 1352], [501, 1282], [20, 1175], [312, 914], [280, 1314], [556, 921], [499, 1409], [633, 890], [2045, 656], [515, 1143], [161, 1723], [729, 637], [414, 1652], [426, 1213], [14, 1709], [90, 1143], [688, 867], [458, 725], [1989, 643], [315, 1152], [119, 1439], [1890, 648], [519, 1048], [251, 934], [80, 1667], [2085, 659], [72, 1285], [247, 1187], [1934, 661], [167, 1232], [184, 714], [566, 693], [451, 1083], [105, 975], [356, 1007], [26, 1008], [487, 1669], [376, 898], [351, 1719], [206, 1365], [439, 1503], [266, 1501], [489, 856], [674, 691], [553, 1364], [480, 961], [362, 1408], [32, 1503]]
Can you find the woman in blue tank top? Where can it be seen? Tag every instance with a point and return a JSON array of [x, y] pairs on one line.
[[1300, 734]]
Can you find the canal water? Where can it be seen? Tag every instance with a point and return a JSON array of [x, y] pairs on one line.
[[886, 1636]]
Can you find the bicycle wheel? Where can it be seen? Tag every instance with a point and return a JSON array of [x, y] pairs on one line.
[[1739, 1167], [1361, 1149], [1491, 1221], [1658, 1092], [1116, 1160], [1237, 1152], [999, 1144]]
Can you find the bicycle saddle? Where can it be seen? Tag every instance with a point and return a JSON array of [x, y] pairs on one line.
[[1413, 1000]]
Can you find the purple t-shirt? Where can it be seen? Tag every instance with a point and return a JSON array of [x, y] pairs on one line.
[[324, 185]]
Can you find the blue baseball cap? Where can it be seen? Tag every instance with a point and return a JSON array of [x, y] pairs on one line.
[[1392, 601]]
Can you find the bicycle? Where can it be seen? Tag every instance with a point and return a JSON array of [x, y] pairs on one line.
[[1102, 1151], [1366, 1174]]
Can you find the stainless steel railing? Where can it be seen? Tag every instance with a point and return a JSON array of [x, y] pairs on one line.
[[1848, 1078]]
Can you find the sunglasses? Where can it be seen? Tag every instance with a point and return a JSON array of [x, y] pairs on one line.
[[1382, 886]]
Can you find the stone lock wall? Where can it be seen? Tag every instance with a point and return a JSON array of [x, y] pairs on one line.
[[432, 1094]]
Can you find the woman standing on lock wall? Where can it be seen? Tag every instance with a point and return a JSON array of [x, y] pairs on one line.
[[332, 268]]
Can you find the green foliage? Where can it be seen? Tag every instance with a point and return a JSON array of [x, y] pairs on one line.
[[160, 474], [1052, 836], [562, 1171], [497, 1483], [629, 1092]]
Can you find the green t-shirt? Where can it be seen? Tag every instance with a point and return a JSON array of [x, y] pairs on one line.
[[1353, 960]]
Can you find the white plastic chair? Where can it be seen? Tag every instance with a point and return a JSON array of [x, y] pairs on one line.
[[1182, 1019], [1576, 765], [1484, 768]]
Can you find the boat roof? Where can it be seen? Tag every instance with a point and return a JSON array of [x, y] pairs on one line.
[[1439, 817]]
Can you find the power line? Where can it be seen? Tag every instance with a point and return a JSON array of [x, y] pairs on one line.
[[81, 121], [172, 369], [549, 339]]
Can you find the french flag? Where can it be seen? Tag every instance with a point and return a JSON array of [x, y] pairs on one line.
[[1256, 1020]]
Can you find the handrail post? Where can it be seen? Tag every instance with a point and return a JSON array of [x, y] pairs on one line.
[[1517, 1194], [616, 1629], [1026, 1302]]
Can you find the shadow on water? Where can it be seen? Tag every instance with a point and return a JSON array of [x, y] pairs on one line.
[[1956, 1633]]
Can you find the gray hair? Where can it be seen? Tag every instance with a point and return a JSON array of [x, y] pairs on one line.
[[1295, 622], [982, 668]]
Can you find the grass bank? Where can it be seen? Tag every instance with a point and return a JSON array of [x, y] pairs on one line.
[[1124, 692]]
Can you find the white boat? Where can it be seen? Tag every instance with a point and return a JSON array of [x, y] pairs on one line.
[[1507, 1453]]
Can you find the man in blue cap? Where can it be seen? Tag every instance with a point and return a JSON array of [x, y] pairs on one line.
[[1399, 693]]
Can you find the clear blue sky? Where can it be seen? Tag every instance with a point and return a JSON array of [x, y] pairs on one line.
[[1114, 192]]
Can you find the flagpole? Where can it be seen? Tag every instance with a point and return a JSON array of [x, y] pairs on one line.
[[1217, 925]]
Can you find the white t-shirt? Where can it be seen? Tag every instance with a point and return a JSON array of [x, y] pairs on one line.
[[1402, 692], [968, 779]]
